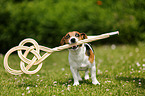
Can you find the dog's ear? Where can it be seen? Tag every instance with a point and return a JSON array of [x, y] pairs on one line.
[[84, 36], [62, 42]]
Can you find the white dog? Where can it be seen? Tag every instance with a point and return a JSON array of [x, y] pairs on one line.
[[81, 57]]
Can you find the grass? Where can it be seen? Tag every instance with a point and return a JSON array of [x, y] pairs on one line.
[[118, 72]]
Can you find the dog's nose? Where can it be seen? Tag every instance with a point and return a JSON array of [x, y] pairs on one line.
[[73, 40]]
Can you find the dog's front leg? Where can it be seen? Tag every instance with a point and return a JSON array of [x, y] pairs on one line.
[[79, 77], [87, 74], [75, 76], [93, 75]]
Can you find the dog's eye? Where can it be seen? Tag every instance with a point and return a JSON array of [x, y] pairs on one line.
[[67, 36], [77, 35]]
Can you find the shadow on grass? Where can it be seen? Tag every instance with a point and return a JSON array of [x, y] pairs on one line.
[[70, 81], [26, 85], [139, 82], [34, 85]]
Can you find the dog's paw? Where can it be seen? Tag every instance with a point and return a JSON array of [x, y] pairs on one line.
[[87, 77], [76, 84], [96, 82]]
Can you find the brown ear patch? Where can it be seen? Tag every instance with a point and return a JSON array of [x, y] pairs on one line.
[[84, 36], [89, 53], [62, 42]]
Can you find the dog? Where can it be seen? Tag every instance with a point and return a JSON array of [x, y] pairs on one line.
[[81, 57]]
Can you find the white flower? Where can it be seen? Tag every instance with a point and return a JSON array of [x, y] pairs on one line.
[[62, 69], [130, 54], [137, 64], [126, 92], [127, 81], [23, 94], [28, 92], [107, 89], [38, 75], [68, 85], [36, 86], [140, 68], [99, 71], [68, 88], [27, 88], [132, 69], [109, 81], [143, 65], [131, 72], [69, 81], [113, 46], [136, 50], [55, 82]]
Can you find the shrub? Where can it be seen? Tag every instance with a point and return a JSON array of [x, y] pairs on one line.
[[48, 20]]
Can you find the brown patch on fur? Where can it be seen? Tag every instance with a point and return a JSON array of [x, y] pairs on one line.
[[91, 57], [90, 53], [62, 42], [84, 36]]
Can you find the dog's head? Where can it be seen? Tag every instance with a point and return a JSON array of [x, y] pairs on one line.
[[73, 37]]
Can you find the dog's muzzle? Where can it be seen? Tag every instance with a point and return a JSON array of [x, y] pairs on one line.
[[74, 47], [73, 40]]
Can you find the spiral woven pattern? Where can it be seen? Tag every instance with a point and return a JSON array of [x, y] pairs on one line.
[[37, 58]]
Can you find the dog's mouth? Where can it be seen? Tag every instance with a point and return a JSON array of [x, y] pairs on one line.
[[74, 47]]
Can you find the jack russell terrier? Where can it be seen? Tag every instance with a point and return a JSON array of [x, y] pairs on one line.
[[81, 57]]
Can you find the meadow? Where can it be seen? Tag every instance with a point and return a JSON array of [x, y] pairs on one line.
[[120, 70]]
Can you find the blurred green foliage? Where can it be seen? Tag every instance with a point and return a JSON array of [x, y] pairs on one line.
[[47, 21]]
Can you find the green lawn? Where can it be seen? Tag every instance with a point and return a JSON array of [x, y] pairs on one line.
[[120, 72]]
